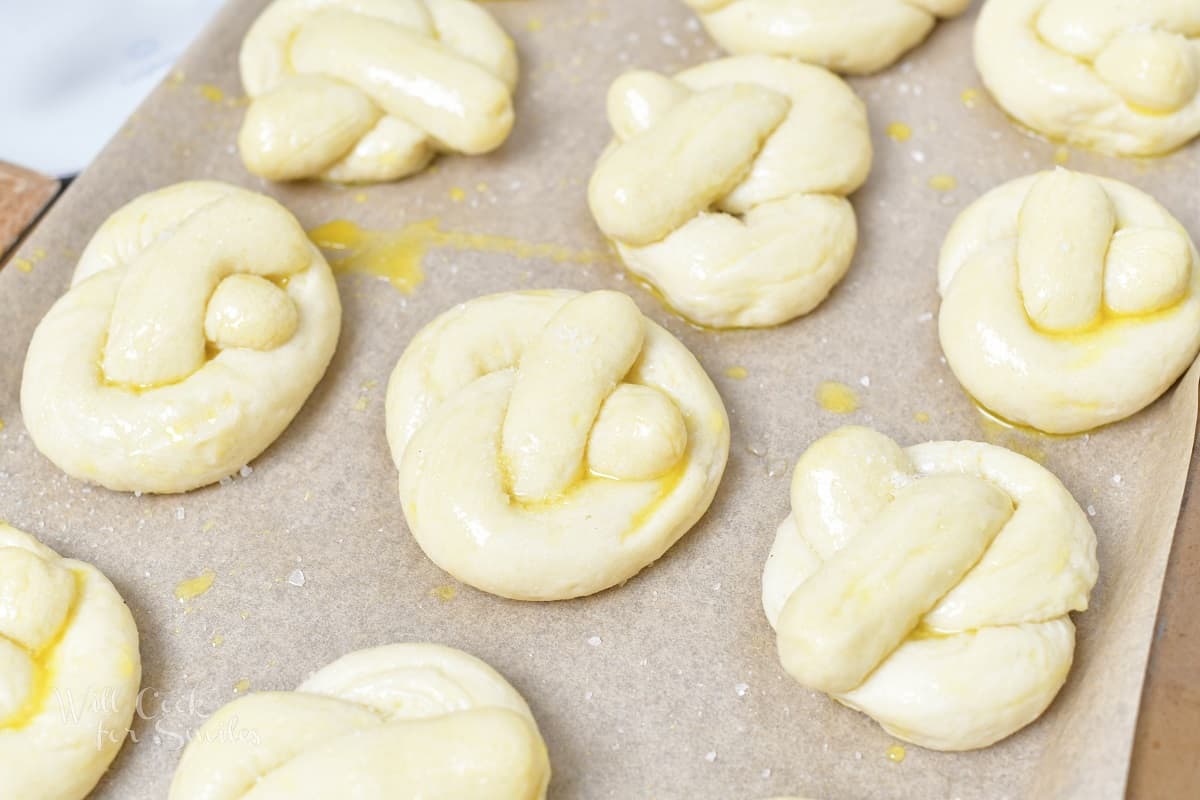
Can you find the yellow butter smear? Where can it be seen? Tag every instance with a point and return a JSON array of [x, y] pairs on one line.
[[396, 255], [837, 398], [192, 588]]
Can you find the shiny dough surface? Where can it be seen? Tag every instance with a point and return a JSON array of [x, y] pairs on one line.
[[198, 321], [726, 185], [1068, 301], [370, 90], [929, 587], [849, 36], [551, 444], [1117, 76], [69, 671], [397, 721]]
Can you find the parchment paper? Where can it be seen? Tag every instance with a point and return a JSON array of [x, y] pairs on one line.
[[667, 687]]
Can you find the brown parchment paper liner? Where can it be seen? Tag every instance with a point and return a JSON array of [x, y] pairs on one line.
[[668, 687]]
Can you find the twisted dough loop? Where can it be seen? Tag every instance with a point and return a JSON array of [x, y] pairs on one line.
[[405, 719], [850, 36], [929, 588], [68, 646], [592, 438], [1068, 301], [707, 210], [199, 319], [352, 91], [1121, 77]]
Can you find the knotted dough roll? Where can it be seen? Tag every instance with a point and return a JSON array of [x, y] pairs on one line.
[[552, 444], [198, 321], [69, 672], [726, 186], [1118, 76], [850, 36], [929, 587], [371, 90], [402, 720], [1068, 301]]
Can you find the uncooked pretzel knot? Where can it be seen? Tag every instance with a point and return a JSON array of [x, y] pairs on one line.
[[371, 90], [403, 720], [69, 672], [930, 587], [551, 444], [198, 321], [1121, 76], [1068, 301], [726, 186], [852, 36]]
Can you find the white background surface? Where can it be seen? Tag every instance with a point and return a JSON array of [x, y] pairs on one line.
[[73, 70]]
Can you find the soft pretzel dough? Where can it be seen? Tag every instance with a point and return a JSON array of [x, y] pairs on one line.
[[726, 186], [1068, 301], [69, 672], [198, 321], [552, 444], [929, 587], [402, 720], [851, 36], [1114, 75], [371, 90]]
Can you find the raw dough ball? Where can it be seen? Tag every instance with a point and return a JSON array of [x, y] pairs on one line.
[[851, 36], [405, 720], [69, 671], [198, 321], [1068, 301], [1117, 76], [552, 444], [726, 186], [370, 91], [931, 587]]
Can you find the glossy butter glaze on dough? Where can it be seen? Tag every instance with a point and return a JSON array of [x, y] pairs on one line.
[[69, 672], [551, 444], [929, 587], [198, 321], [726, 185], [358, 91], [1118, 76], [1068, 301], [850, 36], [401, 720]]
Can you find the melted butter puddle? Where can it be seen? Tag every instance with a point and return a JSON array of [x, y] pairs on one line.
[[192, 588], [396, 255], [895, 753], [837, 398]]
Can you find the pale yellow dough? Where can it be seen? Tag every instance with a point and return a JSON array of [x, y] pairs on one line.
[[198, 321], [929, 587], [371, 90], [69, 672], [1118, 76], [1068, 301], [726, 186], [552, 444], [850, 36], [402, 720]]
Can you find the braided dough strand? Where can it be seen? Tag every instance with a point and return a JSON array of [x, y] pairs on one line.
[[1068, 301], [1120, 77], [69, 671], [351, 90], [198, 321], [929, 587], [726, 186], [401, 719], [849, 36], [551, 444]]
